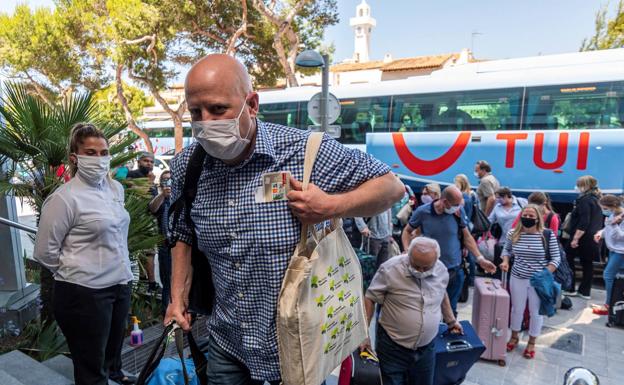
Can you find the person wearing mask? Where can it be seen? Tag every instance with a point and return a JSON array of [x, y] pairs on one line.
[[550, 217], [443, 220], [586, 219], [613, 235], [145, 170], [488, 184], [249, 244], [470, 198], [430, 192], [159, 206], [377, 233], [526, 244], [505, 212], [406, 123], [83, 240], [411, 288]]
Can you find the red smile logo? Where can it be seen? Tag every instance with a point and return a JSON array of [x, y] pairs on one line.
[[433, 166]]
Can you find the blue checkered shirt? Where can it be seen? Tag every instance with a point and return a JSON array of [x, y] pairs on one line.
[[249, 244]]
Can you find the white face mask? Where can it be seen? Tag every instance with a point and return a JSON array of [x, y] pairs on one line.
[[452, 209], [577, 189], [93, 169], [420, 274], [426, 199], [221, 138]]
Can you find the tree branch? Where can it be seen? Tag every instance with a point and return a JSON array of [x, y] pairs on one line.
[[198, 31], [231, 45], [39, 89], [127, 113], [150, 48]]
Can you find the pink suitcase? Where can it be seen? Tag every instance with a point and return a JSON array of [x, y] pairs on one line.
[[490, 317]]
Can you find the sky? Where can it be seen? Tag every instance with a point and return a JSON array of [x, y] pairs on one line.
[[407, 28]]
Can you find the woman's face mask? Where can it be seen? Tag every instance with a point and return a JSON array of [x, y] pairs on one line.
[[93, 169], [426, 199]]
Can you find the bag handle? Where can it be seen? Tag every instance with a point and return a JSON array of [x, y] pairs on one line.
[[312, 147]]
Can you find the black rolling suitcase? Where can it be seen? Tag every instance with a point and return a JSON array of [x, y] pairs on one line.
[[455, 354], [616, 303], [360, 368]]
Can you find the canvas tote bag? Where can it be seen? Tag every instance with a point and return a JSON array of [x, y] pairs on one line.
[[320, 313]]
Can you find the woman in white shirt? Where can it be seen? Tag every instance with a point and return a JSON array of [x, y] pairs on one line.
[[82, 239]]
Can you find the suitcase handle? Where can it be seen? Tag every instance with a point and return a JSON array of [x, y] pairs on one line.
[[458, 346]]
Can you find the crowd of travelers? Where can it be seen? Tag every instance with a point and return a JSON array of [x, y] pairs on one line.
[[428, 246]]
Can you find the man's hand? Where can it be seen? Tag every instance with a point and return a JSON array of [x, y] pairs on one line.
[[167, 191], [456, 328], [574, 243], [313, 205], [366, 345], [504, 266], [488, 266], [177, 311], [366, 232]]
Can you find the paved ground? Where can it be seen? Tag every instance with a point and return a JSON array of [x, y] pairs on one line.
[[603, 350]]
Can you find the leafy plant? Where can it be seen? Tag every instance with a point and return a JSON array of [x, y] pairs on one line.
[[44, 341], [34, 138]]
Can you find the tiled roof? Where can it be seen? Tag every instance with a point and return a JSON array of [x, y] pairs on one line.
[[412, 63]]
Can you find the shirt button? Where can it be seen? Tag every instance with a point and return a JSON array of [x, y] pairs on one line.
[[231, 203], [233, 235], [240, 295], [243, 324], [237, 265]]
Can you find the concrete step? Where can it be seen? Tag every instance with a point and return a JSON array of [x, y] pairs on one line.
[[7, 379], [64, 366], [30, 372]]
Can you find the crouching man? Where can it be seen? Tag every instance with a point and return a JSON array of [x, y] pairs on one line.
[[412, 289]]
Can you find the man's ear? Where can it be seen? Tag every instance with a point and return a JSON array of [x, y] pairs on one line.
[[254, 104]]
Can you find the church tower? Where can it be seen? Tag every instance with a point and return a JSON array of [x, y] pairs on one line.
[[362, 25]]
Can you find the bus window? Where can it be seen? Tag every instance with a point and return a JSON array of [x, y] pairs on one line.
[[577, 106], [279, 113], [457, 111], [357, 117]]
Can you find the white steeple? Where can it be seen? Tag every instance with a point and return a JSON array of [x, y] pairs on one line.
[[362, 25]]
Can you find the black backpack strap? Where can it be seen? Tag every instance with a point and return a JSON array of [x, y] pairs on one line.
[[546, 241], [189, 191]]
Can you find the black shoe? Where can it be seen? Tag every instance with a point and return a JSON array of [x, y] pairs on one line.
[[123, 379]]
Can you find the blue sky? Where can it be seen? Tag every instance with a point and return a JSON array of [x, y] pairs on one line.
[[405, 28]]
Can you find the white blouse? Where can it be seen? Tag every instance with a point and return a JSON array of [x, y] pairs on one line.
[[83, 234]]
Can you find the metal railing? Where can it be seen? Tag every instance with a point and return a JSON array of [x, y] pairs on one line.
[[17, 225]]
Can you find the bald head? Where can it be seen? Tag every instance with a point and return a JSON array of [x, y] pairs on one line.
[[216, 71], [423, 253], [452, 194]]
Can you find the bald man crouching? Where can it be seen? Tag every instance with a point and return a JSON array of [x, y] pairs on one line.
[[412, 289], [248, 242]]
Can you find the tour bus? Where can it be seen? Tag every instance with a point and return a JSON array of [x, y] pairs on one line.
[[540, 122]]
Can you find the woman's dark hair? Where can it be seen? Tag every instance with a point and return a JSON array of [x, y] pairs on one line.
[[504, 192], [79, 133], [611, 200], [541, 199]]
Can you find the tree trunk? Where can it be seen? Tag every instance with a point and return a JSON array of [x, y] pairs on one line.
[[128, 114], [176, 116]]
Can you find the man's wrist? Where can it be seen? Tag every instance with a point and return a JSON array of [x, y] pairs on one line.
[[480, 258], [451, 322]]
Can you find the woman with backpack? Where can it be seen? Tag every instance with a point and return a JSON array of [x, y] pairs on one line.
[[527, 245], [585, 221], [613, 235]]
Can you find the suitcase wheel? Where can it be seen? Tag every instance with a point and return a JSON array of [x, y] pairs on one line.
[[609, 324], [502, 363]]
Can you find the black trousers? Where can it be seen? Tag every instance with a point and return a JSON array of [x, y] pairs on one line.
[[94, 324], [587, 251]]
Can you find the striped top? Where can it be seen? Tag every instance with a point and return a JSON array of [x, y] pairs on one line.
[[529, 254]]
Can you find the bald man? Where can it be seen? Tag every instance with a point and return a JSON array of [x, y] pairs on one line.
[[249, 243], [443, 220], [412, 290]]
